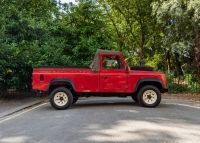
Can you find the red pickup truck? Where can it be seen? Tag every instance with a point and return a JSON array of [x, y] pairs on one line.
[[107, 75]]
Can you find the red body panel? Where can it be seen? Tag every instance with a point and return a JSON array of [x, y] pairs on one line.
[[85, 80]]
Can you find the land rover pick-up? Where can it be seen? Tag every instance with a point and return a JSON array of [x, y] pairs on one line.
[[107, 75]]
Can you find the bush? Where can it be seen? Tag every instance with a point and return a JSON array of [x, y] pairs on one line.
[[185, 84]]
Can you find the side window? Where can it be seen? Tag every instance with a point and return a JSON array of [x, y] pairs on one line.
[[112, 62]]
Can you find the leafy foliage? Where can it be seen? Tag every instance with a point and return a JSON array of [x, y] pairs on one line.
[[37, 32], [47, 32], [133, 25], [179, 21]]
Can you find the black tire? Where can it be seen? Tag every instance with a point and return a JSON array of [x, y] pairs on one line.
[[74, 100], [61, 98], [149, 96], [135, 98]]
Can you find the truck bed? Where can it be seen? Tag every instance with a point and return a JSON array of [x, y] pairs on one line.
[[70, 67]]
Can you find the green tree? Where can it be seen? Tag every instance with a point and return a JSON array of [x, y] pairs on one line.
[[179, 22], [42, 32], [133, 24], [88, 30], [24, 30]]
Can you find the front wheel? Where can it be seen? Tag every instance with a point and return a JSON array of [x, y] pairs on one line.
[[74, 100], [61, 98], [149, 96]]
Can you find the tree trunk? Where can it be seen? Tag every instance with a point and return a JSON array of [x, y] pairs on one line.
[[168, 61], [196, 62], [178, 67]]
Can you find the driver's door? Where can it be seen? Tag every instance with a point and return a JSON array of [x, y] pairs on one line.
[[113, 76]]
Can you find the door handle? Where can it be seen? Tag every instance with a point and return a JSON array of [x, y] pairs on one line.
[[104, 77]]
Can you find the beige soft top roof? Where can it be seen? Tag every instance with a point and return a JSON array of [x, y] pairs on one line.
[[94, 66]]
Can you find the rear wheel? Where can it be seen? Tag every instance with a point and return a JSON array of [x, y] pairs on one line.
[[149, 96], [135, 98], [61, 98]]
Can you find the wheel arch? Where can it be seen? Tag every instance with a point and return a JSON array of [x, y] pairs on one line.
[[149, 81], [61, 82]]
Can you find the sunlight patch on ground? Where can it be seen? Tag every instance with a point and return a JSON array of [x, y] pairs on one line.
[[129, 130], [186, 105], [14, 139]]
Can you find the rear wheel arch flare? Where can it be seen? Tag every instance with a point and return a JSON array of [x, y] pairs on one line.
[[61, 80]]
